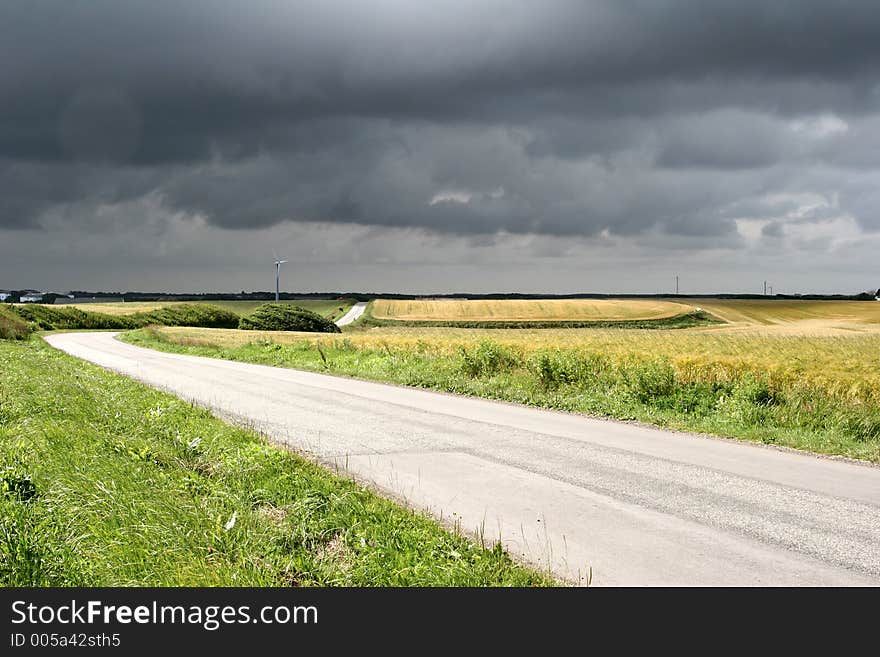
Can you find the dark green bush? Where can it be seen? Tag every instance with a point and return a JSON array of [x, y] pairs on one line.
[[285, 317], [188, 314], [48, 318]]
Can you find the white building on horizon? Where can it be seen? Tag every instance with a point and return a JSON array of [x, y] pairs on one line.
[[31, 296]]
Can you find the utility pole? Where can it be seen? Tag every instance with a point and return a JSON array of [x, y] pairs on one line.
[[765, 288], [676, 283]]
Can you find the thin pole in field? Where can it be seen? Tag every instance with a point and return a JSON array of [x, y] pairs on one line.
[[278, 264]]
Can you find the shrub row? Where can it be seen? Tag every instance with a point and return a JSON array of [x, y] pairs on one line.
[[17, 322], [48, 318], [284, 317]]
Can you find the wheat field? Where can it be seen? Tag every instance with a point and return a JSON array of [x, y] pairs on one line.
[[553, 310], [795, 316]]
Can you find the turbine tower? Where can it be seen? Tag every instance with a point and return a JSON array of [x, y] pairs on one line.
[[278, 264]]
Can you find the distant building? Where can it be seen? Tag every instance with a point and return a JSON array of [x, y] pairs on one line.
[[31, 297], [4, 296], [877, 296]]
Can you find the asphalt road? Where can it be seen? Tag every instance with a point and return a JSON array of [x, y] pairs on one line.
[[353, 313], [634, 505]]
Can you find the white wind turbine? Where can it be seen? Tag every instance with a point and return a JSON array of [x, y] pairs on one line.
[[278, 264]]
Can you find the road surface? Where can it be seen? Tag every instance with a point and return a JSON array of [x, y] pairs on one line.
[[634, 505], [353, 313]]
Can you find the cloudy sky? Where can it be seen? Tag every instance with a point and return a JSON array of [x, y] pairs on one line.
[[450, 145]]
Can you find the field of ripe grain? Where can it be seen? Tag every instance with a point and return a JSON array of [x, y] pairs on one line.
[[504, 310], [841, 363], [796, 317], [330, 308]]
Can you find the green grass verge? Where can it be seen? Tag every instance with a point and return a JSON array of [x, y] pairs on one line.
[[711, 399], [107, 482]]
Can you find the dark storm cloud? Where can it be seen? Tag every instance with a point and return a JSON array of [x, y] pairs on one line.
[[558, 118]]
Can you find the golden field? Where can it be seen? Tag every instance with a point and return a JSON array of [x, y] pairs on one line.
[[796, 317], [846, 363], [500, 310]]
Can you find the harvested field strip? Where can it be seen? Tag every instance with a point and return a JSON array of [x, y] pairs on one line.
[[515, 310], [786, 311]]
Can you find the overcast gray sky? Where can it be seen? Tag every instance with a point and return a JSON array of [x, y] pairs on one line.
[[451, 145]]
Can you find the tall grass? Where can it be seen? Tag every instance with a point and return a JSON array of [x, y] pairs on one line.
[[12, 326], [106, 482]]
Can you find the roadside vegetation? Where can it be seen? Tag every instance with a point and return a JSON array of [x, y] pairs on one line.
[[26, 318], [49, 318], [107, 482], [284, 317], [329, 308], [812, 393], [12, 326]]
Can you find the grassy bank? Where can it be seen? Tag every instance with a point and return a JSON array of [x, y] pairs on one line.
[[827, 410], [106, 482]]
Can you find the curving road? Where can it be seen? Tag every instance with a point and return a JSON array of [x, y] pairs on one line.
[[354, 313], [634, 505]]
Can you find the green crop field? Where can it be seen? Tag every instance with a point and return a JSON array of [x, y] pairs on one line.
[[106, 482]]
